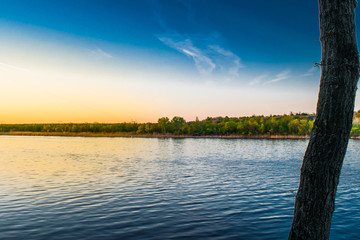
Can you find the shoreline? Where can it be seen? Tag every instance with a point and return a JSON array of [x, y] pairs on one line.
[[134, 135]]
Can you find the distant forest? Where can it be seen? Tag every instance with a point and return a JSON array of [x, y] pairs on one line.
[[299, 124]]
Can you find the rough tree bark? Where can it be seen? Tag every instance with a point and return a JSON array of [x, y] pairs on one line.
[[320, 171]]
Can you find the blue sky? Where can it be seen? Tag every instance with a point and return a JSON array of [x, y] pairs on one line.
[[138, 60]]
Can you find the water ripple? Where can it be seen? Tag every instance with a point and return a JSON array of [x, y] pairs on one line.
[[119, 188]]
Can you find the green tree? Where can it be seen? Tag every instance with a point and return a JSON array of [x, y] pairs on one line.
[[178, 122], [141, 129], [163, 123]]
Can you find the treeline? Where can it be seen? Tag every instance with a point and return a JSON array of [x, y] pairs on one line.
[[71, 127], [299, 124], [294, 124]]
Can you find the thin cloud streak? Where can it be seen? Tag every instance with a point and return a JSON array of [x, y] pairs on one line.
[[12, 67], [208, 59], [202, 62], [233, 61], [100, 54], [257, 80], [309, 72], [279, 77], [204, 49]]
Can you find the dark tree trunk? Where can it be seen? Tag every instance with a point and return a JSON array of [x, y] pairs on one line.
[[320, 171]]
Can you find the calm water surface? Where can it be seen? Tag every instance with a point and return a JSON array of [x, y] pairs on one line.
[[130, 188]]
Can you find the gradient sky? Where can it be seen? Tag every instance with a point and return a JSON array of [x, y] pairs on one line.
[[138, 60]]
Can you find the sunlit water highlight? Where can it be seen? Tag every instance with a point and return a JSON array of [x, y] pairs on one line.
[[132, 188]]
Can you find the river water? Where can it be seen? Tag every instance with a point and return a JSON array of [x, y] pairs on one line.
[[136, 188]]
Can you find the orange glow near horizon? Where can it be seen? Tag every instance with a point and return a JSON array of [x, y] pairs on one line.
[[62, 80]]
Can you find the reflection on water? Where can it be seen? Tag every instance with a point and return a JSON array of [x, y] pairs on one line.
[[131, 188]]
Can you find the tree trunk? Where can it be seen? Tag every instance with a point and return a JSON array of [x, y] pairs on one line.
[[320, 171]]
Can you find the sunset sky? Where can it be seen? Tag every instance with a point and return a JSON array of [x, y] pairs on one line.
[[138, 60]]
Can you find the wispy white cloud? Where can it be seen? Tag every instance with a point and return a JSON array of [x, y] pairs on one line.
[[309, 72], [206, 50], [100, 54], [279, 77], [12, 67], [257, 80], [208, 57], [229, 59], [202, 62]]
